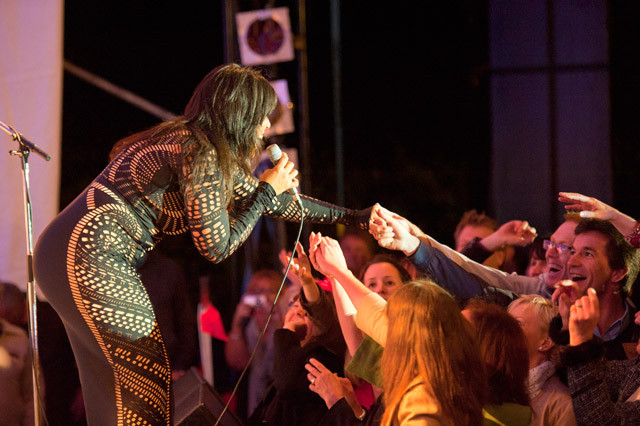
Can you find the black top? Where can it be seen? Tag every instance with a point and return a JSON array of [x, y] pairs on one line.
[[289, 401]]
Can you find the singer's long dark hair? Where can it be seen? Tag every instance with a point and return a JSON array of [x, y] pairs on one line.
[[222, 116]]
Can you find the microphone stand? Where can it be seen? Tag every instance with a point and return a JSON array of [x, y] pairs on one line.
[[25, 147]]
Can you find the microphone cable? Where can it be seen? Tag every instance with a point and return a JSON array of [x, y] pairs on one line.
[[273, 307]]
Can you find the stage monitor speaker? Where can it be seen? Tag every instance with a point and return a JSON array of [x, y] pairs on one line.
[[198, 404]]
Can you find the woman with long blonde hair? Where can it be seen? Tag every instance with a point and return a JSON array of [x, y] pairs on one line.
[[432, 372], [429, 345]]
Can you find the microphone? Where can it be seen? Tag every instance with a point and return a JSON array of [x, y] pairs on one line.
[[275, 155]]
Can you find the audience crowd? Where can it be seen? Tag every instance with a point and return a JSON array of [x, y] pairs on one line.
[[392, 327]]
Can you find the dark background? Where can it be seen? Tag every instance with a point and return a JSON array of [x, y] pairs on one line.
[[415, 96]]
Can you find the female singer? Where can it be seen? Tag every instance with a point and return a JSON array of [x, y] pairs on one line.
[[191, 174]]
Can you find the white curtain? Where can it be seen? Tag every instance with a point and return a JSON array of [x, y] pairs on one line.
[[31, 35]]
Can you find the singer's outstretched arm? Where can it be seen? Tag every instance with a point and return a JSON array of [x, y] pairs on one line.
[[217, 233]]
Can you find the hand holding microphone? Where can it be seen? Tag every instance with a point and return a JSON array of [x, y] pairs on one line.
[[282, 177]]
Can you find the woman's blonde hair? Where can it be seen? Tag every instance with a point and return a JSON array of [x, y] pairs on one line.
[[544, 311], [428, 338]]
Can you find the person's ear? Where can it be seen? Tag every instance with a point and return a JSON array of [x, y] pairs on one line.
[[618, 274], [546, 344]]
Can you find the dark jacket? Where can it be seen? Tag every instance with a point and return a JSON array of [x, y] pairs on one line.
[[600, 388]]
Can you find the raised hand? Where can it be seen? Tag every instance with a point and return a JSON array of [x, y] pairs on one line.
[[589, 207], [284, 257], [592, 208], [314, 243], [376, 223], [326, 255], [565, 295], [396, 234], [512, 233], [330, 256], [300, 271], [374, 219], [583, 318]]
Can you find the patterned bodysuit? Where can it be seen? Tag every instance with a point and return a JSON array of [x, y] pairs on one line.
[[86, 264]]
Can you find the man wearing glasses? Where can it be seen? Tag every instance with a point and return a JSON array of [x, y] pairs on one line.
[[465, 278]]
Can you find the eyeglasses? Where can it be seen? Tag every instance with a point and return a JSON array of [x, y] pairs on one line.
[[562, 248]]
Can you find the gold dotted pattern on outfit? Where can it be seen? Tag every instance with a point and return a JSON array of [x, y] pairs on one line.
[[217, 233], [147, 176], [114, 304], [131, 205]]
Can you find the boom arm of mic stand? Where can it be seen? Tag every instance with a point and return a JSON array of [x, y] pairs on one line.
[[25, 143]]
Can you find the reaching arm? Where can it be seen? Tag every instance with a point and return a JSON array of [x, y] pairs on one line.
[[593, 208], [300, 272], [327, 257], [512, 233], [218, 232], [346, 316], [397, 233], [315, 211]]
